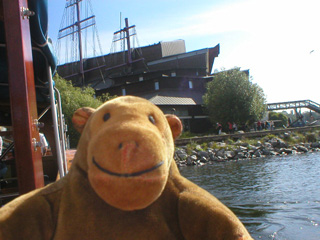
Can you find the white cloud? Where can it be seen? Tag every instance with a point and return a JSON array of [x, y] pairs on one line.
[[278, 36]]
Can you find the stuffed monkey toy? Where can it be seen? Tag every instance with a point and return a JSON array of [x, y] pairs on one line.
[[123, 184]]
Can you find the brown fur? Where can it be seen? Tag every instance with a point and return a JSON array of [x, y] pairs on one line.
[[91, 204]]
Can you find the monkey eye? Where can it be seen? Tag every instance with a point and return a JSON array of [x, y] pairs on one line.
[[106, 117], [151, 119]]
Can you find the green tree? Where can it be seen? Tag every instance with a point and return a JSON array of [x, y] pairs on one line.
[[281, 119], [73, 98], [232, 97]]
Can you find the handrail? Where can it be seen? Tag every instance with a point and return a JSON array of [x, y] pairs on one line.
[[293, 104], [62, 131], [55, 124], [60, 144]]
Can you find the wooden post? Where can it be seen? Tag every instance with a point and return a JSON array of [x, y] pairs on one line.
[[22, 96]]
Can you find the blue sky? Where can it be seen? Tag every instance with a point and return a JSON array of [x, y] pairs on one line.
[[273, 39]]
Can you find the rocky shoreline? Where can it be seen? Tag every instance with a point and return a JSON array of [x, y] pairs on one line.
[[198, 155]]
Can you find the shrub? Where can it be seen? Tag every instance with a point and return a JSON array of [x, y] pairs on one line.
[[73, 98], [282, 119], [311, 137]]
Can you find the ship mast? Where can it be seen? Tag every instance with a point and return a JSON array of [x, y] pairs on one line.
[[78, 24], [127, 36], [74, 63], [124, 36], [75, 23]]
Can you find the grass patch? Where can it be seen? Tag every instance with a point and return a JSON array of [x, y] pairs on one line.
[[311, 137], [250, 141], [268, 137], [190, 147], [187, 134], [204, 146], [299, 137]]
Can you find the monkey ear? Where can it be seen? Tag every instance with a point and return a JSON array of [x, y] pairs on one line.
[[80, 118], [175, 125]]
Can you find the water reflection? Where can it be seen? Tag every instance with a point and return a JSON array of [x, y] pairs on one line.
[[276, 198]]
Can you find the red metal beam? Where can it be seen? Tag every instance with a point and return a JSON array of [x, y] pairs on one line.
[[22, 96]]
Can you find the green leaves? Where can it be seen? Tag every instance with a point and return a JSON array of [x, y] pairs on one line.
[[73, 98], [232, 97], [282, 119]]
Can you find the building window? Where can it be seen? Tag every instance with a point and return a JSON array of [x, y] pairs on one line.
[[156, 86], [190, 84], [123, 91], [173, 74]]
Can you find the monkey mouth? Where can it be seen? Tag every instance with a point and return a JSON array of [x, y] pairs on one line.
[[126, 175]]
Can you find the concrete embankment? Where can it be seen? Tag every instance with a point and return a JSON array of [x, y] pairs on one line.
[[239, 135], [205, 150]]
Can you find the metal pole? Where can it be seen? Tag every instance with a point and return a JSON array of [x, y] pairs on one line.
[[62, 137], [55, 124]]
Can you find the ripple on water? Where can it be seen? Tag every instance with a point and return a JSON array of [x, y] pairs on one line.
[[276, 198]]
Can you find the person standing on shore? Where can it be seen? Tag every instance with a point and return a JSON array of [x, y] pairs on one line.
[[219, 128], [271, 125], [230, 127], [259, 125], [234, 127]]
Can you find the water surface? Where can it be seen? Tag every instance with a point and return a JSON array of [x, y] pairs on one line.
[[276, 198]]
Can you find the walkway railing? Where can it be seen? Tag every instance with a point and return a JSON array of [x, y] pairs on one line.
[[294, 104]]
